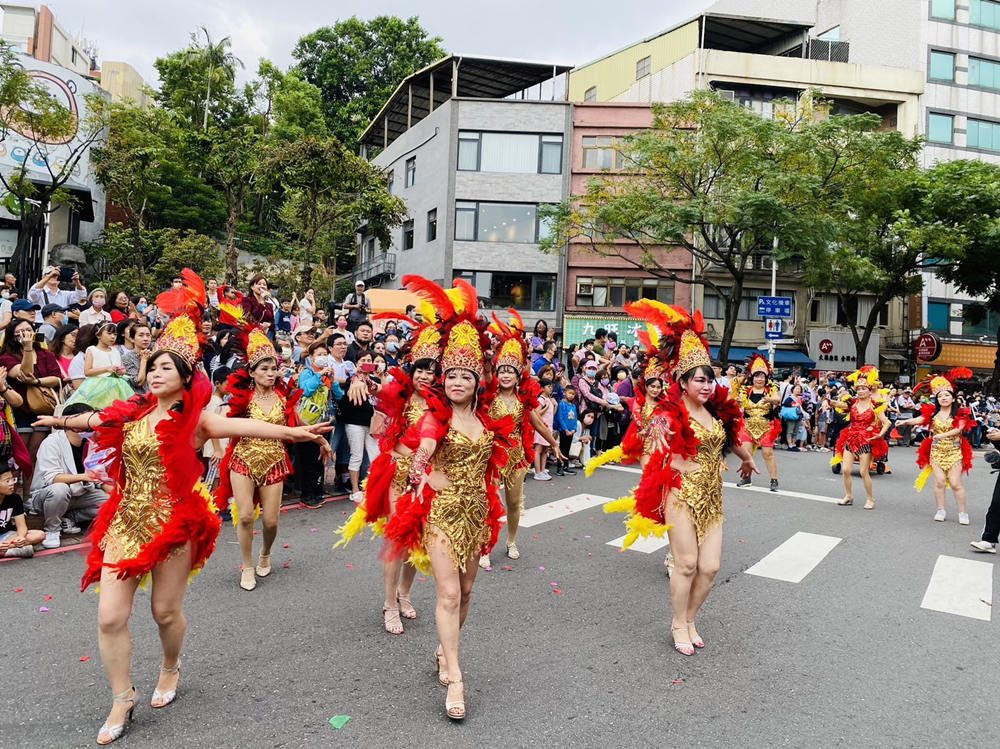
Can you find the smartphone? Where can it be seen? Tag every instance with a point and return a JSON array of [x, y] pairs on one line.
[[39, 338], [368, 368], [66, 273]]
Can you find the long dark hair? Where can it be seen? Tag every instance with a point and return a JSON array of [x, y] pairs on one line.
[[86, 336], [952, 408], [62, 332], [10, 343], [183, 368]]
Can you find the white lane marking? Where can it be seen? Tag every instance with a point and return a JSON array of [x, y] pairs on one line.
[[960, 586], [761, 489], [646, 545], [795, 558], [560, 508]]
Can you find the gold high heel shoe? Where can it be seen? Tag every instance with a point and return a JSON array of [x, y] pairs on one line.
[[116, 732]]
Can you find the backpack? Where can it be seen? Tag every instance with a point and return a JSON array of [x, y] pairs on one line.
[[311, 410]]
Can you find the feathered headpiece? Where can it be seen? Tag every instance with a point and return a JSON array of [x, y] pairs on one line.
[[250, 338], [182, 335], [677, 336], [867, 374], [512, 350], [758, 364], [945, 381], [259, 348], [456, 316]]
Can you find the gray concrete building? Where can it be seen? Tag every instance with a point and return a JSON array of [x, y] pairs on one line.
[[475, 147]]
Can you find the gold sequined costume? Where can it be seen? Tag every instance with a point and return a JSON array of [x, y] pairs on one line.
[[945, 453], [400, 479], [515, 468], [262, 460], [459, 510], [701, 487]]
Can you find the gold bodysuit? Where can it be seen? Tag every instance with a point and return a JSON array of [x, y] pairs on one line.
[[459, 510], [500, 408], [652, 428], [758, 420], [946, 453], [701, 488], [145, 504], [260, 456], [401, 478]]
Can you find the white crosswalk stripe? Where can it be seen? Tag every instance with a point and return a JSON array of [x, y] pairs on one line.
[[560, 508], [751, 488], [963, 587], [646, 545], [795, 558]]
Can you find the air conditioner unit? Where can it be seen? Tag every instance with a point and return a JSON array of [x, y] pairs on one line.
[[585, 288], [726, 94]]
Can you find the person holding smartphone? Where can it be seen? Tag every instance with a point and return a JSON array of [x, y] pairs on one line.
[[49, 291], [987, 544]]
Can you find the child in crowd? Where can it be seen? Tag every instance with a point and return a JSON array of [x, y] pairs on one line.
[[565, 423], [546, 410], [15, 538], [215, 449], [583, 439]]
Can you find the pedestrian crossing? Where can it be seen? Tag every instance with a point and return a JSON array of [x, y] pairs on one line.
[[957, 586]]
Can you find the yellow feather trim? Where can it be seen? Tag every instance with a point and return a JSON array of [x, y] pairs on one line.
[[234, 511], [622, 504], [355, 524], [922, 478], [836, 460], [639, 525], [608, 456], [420, 559], [378, 529]]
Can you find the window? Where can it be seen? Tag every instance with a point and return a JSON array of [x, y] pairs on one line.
[[602, 152], [938, 316], [614, 292], [523, 291], [432, 224], [390, 177], [943, 9], [985, 13], [984, 73], [825, 310], [411, 172], [940, 128], [465, 220], [643, 67], [408, 235], [73, 56], [942, 66], [985, 327], [830, 35], [983, 134], [590, 94], [498, 222], [517, 153], [715, 306]]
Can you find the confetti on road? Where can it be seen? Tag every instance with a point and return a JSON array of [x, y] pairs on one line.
[[554, 585], [587, 536], [18, 590], [507, 568], [313, 530], [43, 609], [350, 566], [557, 591], [84, 658], [284, 546], [339, 721], [676, 682], [48, 598], [541, 569], [287, 565]]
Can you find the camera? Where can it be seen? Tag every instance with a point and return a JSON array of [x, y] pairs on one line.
[[993, 458], [66, 274]]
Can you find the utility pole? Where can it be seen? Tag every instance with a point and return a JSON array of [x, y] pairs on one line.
[[774, 292]]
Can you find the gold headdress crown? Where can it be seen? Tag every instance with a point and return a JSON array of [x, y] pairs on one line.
[[654, 369], [180, 337], [259, 348], [427, 345], [692, 353], [511, 355], [463, 350], [947, 380], [867, 374], [512, 351], [759, 364]]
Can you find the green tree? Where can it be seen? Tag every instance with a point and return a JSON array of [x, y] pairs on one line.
[[234, 160], [721, 182], [966, 194], [328, 193], [357, 64]]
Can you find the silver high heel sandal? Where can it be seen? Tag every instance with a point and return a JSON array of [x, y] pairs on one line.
[[166, 697], [116, 732]]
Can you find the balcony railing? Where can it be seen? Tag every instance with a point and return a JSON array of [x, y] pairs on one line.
[[376, 271]]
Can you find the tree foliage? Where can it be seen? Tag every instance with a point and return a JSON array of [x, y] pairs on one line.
[[357, 64]]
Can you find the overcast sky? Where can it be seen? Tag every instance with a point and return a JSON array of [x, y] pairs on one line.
[[568, 32]]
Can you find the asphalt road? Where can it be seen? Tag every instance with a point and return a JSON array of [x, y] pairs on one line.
[[570, 645]]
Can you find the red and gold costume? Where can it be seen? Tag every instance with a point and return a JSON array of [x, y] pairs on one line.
[[159, 502], [465, 514], [949, 452], [761, 427], [860, 436], [263, 461], [681, 348]]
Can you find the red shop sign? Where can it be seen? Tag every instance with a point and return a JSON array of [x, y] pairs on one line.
[[927, 347], [826, 346]]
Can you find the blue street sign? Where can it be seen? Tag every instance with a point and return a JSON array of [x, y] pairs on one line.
[[773, 329], [774, 306]]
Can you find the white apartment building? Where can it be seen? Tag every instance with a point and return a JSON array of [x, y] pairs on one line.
[[474, 158], [34, 32]]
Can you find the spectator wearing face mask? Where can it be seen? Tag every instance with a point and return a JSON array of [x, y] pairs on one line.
[[96, 314], [391, 350]]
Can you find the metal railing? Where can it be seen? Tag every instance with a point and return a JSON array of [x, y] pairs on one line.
[[376, 270]]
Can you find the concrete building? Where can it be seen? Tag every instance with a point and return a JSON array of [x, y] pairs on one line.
[[598, 284], [757, 54], [123, 82], [474, 158], [34, 32]]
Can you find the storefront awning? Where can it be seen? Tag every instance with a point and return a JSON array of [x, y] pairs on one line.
[[782, 357]]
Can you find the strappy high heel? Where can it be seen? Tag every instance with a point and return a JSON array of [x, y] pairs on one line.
[[391, 621], [696, 639], [406, 609], [116, 732], [846, 502], [263, 568], [165, 698], [512, 551], [441, 670], [684, 648], [455, 709]]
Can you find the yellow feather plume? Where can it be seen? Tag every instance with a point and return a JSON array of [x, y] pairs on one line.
[[608, 456], [622, 504], [654, 335], [235, 512], [354, 525], [420, 559], [922, 478], [639, 525], [836, 460], [378, 529]]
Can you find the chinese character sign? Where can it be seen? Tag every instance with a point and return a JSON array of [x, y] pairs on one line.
[[577, 329]]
